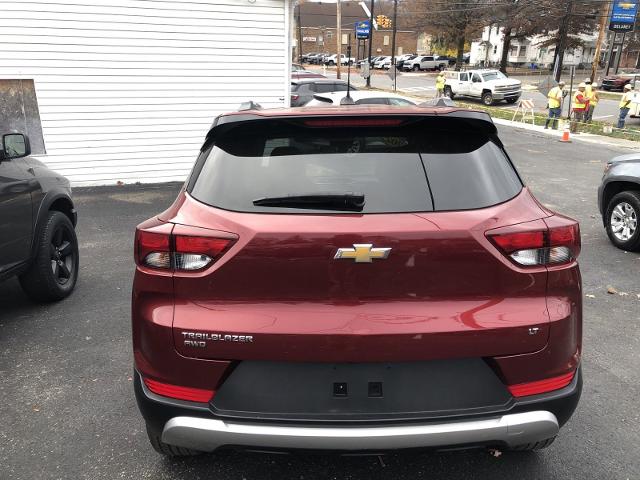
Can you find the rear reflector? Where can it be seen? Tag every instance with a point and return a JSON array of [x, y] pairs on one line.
[[541, 386], [181, 393], [371, 122]]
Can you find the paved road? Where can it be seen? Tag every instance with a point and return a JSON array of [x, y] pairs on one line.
[[424, 85], [68, 410]]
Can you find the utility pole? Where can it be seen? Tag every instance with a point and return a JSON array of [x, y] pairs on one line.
[[603, 24], [619, 53], [562, 41], [299, 36], [339, 36], [370, 44], [393, 39]]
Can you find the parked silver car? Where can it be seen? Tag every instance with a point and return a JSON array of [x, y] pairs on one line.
[[619, 201]]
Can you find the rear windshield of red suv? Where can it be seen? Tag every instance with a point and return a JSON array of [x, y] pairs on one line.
[[416, 168]]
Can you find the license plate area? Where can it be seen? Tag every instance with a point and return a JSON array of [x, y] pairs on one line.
[[360, 391]]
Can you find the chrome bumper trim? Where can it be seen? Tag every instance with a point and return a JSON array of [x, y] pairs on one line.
[[210, 434]]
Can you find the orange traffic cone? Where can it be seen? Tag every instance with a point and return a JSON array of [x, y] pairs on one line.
[[565, 134]]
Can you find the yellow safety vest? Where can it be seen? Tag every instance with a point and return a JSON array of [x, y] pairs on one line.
[[626, 100], [576, 104], [555, 97], [440, 81], [593, 98], [587, 91]]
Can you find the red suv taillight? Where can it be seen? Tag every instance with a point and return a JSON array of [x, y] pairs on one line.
[[166, 248], [553, 241]]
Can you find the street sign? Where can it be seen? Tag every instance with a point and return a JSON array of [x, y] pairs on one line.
[[363, 29], [623, 15]]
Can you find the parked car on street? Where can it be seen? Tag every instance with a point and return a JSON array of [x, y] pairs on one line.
[[428, 62], [383, 63], [489, 86], [619, 201], [38, 242], [303, 89], [356, 279], [366, 59], [451, 61], [618, 82], [305, 57], [404, 58], [332, 60], [362, 97], [315, 58]]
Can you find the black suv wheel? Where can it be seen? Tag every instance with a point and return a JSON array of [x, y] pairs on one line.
[[54, 271]]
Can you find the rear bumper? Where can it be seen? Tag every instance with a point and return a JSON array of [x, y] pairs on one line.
[[511, 430], [191, 425]]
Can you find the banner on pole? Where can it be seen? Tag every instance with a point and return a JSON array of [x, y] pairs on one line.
[[623, 16], [363, 29]]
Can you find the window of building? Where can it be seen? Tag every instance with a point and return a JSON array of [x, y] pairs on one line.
[[386, 40]]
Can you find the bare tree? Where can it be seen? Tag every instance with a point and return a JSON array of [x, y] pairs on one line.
[[519, 20], [453, 21]]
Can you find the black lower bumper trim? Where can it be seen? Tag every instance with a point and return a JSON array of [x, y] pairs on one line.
[[157, 411]]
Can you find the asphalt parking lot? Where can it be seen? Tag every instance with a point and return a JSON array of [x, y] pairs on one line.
[[68, 410]]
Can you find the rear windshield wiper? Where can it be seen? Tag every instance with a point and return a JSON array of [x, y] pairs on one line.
[[351, 202]]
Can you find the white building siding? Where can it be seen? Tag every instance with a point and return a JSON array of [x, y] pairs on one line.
[[127, 91]]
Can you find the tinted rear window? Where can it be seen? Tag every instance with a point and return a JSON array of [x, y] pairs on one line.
[[331, 87], [403, 169]]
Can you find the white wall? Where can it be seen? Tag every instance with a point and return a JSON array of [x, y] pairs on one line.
[[127, 91]]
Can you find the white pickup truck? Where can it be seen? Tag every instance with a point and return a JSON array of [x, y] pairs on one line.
[[333, 60], [425, 62], [490, 86]]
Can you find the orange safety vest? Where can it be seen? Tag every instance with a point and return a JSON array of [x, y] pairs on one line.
[[580, 101]]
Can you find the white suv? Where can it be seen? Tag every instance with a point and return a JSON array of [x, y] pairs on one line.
[[428, 62], [489, 86], [333, 59]]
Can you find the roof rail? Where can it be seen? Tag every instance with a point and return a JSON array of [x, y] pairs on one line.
[[250, 105]]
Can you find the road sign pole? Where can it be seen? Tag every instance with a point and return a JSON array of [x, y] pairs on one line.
[[393, 41], [370, 43], [619, 55]]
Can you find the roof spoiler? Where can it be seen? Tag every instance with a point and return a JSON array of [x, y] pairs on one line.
[[250, 105]]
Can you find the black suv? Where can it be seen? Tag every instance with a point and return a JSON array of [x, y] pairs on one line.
[[37, 224]]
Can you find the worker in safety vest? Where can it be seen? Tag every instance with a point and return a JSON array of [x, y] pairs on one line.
[[594, 97], [579, 107], [625, 105], [554, 103], [588, 87], [440, 81]]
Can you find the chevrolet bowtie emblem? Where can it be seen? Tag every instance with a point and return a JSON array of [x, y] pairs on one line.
[[362, 253]]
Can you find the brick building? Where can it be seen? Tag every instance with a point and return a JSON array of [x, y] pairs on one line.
[[315, 29]]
